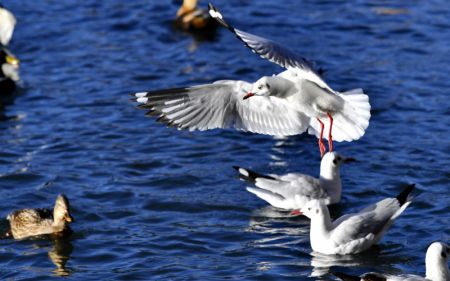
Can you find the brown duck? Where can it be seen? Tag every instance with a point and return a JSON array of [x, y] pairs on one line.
[[31, 222], [191, 18]]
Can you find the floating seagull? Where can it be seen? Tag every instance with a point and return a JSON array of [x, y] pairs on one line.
[[191, 18], [289, 103], [294, 190], [436, 266], [31, 222], [352, 233], [7, 24]]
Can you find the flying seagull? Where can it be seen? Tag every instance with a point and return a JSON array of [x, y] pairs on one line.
[[289, 103]]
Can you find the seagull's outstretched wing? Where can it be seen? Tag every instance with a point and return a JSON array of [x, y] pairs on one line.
[[264, 47], [221, 105], [272, 51], [7, 23]]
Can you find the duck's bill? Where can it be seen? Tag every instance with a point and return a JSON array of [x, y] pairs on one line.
[[12, 60], [69, 218]]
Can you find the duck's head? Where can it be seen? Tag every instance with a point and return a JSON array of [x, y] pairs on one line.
[[260, 88], [61, 212], [9, 65], [187, 7], [6, 57]]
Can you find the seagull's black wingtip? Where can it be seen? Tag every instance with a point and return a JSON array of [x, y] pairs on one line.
[[403, 196], [217, 15]]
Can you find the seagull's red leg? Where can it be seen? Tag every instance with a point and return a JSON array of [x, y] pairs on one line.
[[330, 139], [321, 145]]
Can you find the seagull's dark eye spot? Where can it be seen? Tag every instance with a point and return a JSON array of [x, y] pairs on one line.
[[443, 254], [309, 209], [259, 87], [267, 85]]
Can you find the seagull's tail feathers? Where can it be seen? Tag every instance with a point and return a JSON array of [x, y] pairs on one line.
[[345, 277], [404, 199], [273, 199], [351, 122], [249, 175]]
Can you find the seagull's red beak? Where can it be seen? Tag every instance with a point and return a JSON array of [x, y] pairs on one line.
[[248, 95], [296, 213]]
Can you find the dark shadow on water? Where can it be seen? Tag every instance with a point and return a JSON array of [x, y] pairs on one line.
[[202, 35], [7, 98], [4, 117]]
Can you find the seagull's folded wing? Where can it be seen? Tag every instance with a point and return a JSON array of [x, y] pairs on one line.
[[367, 223], [221, 105], [294, 184]]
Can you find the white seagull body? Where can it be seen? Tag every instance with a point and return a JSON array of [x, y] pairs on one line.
[[294, 190], [7, 24], [290, 103], [436, 266], [353, 233]]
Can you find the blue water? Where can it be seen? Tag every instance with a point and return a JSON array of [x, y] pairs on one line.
[[153, 203]]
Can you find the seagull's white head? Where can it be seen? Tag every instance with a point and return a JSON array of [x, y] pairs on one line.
[[260, 88], [436, 261], [334, 160], [314, 208]]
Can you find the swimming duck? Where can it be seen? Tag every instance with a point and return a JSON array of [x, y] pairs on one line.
[[30, 222], [190, 18], [7, 24], [9, 73]]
